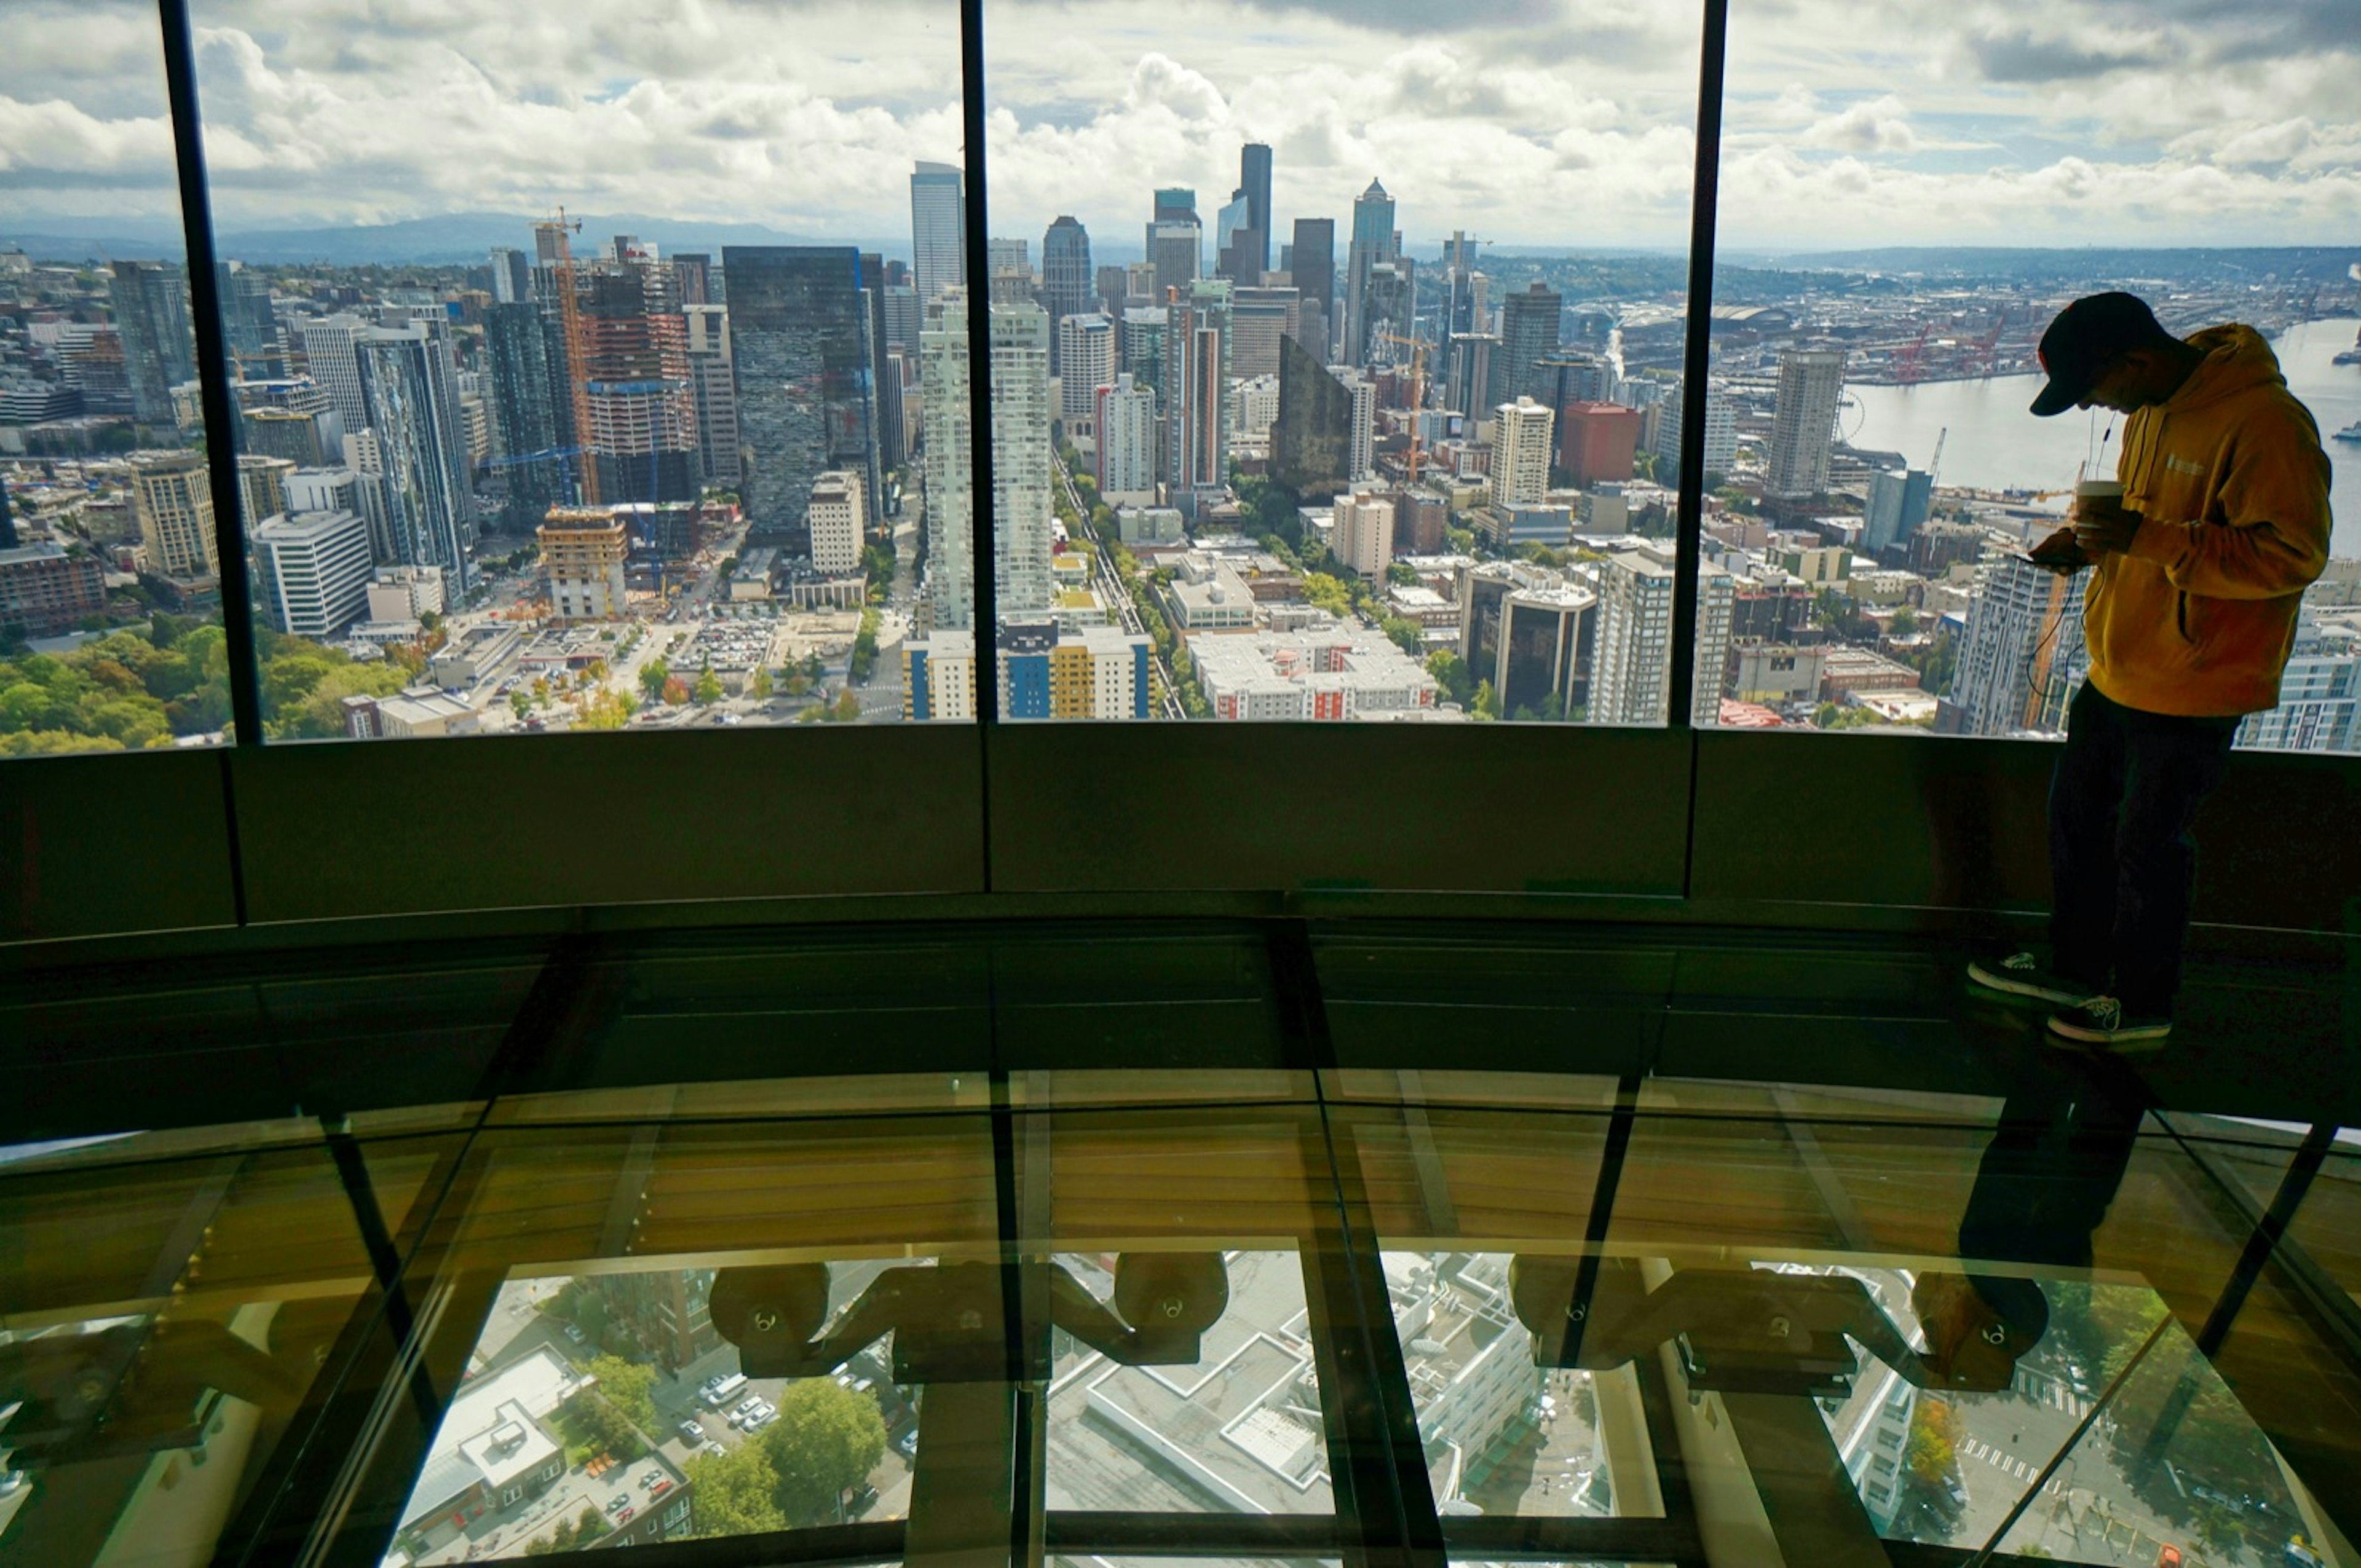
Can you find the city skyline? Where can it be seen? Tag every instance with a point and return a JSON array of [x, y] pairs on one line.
[[1565, 125]]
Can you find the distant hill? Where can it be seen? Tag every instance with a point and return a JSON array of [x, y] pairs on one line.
[[2325, 264], [457, 238]]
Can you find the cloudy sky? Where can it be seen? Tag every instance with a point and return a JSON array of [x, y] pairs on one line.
[[1546, 122]]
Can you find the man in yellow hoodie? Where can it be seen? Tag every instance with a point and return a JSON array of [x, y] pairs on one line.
[[2190, 615]]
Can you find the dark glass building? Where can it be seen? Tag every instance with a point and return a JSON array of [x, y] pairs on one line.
[[1312, 444], [800, 339]]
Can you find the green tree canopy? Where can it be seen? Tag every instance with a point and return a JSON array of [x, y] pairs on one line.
[[737, 1492], [826, 1441], [626, 1386], [652, 675], [708, 686]]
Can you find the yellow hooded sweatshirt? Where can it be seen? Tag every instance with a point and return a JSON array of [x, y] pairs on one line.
[[2198, 617]]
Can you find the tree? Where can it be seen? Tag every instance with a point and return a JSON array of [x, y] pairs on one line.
[[1486, 703], [675, 691], [826, 1441], [1327, 593], [1401, 575], [845, 709], [652, 676], [520, 702], [607, 710], [737, 1492], [1904, 623], [1461, 540], [1450, 672], [763, 687], [1407, 635], [626, 1384], [708, 686]]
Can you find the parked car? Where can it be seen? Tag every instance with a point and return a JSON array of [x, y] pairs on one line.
[[909, 1443], [574, 1335], [619, 1500], [691, 1433]]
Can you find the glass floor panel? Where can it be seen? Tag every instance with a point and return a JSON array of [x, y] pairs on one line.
[[1501, 1268]]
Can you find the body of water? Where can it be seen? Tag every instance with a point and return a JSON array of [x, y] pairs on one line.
[[1994, 444]]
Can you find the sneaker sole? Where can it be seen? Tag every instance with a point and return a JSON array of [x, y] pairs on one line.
[[2002, 981], [2150, 1034]]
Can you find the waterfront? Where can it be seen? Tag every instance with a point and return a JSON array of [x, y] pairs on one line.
[[1994, 442]]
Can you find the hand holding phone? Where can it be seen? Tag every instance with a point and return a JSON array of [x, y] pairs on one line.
[[2060, 553]]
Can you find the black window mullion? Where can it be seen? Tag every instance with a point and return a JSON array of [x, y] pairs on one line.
[[1696, 358], [220, 408], [981, 520]]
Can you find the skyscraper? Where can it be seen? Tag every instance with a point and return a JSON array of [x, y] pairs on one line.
[[1897, 505], [1521, 452], [801, 367], [1020, 460], [1633, 647], [1254, 178], [511, 276], [1127, 442], [1312, 444], [150, 302], [173, 496], [1236, 244], [334, 365], [410, 391], [1311, 260], [1529, 327], [938, 233], [1262, 316], [1175, 250], [1804, 422], [315, 571], [1067, 281], [1720, 433], [637, 385], [1087, 348], [526, 357], [1373, 241], [1459, 286], [1468, 379], [717, 392], [884, 381], [2021, 655], [1196, 400], [249, 322]]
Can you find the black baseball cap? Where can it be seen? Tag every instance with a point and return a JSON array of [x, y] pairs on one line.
[[2086, 337]]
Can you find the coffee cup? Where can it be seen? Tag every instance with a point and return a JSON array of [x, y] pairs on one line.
[[2099, 490]]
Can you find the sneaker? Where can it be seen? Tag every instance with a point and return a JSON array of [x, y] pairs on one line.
[[2101, 1021], [2021, 974]]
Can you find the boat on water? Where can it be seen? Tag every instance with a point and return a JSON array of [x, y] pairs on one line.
[[2351, 355], [2350, 433]]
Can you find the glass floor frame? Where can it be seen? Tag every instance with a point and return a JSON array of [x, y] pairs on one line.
[[1190, 1262]]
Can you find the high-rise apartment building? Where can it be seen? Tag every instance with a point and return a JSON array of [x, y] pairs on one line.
[[938, 232], [418, 451], [1140, 349], [315, 571], [525, 359], [1363, 539], [1196, 397], [1468, 380], [1898, 501], [333, 358], [836, 514], [1528, 333], [1087, 349], [1720, 433], [582, 552], [1531, 633], [1634, 640], [1804, 422], [1521, 452], [1021, 456], [511, 276], [884, 383], [1373, 242], [800, 360], [1067, 281], [262, 485], [1125, 455], [173, 496], [1388, 302], [2320, 694], [151, 303], [249, 319], [1254, 179], [2021, 654], [712, 381]]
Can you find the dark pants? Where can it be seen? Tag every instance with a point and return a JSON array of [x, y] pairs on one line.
[[2122, 799]]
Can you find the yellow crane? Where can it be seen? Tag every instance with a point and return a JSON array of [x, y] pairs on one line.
[[569, 313]]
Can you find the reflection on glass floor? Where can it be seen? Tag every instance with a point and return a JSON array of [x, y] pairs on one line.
[[1304, 1309]]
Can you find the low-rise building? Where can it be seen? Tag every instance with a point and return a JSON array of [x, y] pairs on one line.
[[583, 550], [44, 590], [315, 571], [938, 676], [1209, 595], [1326, 673], [1845, 671], [419, 713], [1094, 671]]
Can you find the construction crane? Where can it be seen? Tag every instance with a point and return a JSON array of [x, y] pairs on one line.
[[569, 312], [1935, 464]]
